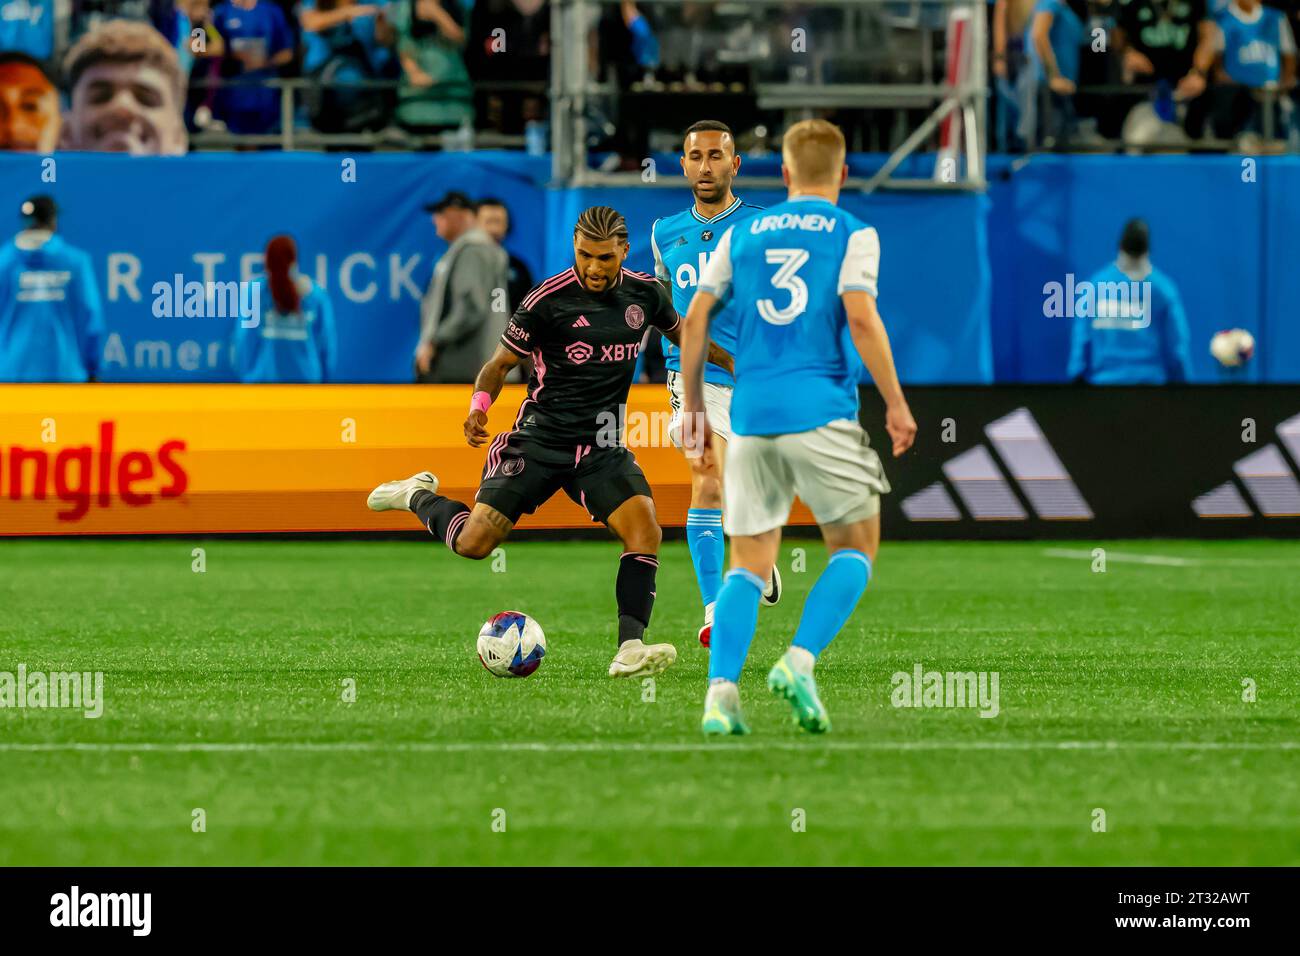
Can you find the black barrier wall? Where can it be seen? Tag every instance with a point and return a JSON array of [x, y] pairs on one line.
[[1078, 462]]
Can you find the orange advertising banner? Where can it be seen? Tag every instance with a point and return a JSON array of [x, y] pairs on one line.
[[179, 459]]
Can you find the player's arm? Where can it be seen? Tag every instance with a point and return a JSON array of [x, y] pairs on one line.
[[715, 353], [859, 273], [516, 344], [872, 342], [692, 337], [487, 386]]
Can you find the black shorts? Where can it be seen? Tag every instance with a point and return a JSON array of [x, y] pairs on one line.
[[523, 471]]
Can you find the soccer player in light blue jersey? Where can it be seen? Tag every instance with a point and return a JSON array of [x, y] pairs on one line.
[[801, 280], [682, 244]]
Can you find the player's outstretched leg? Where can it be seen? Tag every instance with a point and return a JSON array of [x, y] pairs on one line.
[[396, 495], [470, 534], [634, 522], [825, 611]]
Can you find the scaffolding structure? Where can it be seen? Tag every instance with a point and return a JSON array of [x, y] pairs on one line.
[[942, 95]]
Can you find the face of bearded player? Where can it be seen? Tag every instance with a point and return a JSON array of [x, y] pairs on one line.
[[29, 109], [598, 263], [710, 164], [125, 108]]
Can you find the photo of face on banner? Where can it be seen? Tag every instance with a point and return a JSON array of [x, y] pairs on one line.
[[126, 93], [29, 106]]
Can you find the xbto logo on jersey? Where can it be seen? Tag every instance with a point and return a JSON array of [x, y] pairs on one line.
[[579, 352]]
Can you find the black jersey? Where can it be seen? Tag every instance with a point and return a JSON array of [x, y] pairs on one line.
[[584, 347]]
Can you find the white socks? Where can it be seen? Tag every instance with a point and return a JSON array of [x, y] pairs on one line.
[[801, 660], [721, 689]]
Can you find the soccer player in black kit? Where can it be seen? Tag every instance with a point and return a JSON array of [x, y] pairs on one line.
[[583, 330]]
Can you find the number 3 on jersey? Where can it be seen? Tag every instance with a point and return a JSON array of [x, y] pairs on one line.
[[789, 262]]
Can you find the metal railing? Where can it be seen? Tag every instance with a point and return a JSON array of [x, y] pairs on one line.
[[391, 136]]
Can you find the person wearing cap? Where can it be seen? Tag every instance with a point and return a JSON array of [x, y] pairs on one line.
[[465, 309], [29, 105], [51, 321], [1134, 331]]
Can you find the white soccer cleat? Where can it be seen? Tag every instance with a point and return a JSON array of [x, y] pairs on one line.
[[635, 659], [773, 593], [396, 495]]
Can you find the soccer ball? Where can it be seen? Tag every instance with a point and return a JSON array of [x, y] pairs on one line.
[[511, 644], [1232, 347]]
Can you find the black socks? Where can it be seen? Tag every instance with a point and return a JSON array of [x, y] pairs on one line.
[[635, 590], [443, 517]]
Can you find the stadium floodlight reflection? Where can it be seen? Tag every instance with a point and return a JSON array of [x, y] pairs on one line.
[[922, 61]]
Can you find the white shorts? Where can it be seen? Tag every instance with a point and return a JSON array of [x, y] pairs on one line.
[[717, 405], [833, 469]]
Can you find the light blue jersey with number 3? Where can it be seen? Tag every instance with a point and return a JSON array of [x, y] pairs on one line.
[[782, 274]]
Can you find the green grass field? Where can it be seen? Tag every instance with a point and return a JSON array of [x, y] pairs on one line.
[[223, 691]]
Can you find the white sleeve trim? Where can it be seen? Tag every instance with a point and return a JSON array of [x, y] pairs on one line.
[[661, 270], [860, 269]]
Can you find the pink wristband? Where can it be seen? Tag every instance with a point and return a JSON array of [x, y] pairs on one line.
[[481, 402]]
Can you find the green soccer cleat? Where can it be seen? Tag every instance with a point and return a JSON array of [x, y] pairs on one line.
[[800, 690], [722, 716]]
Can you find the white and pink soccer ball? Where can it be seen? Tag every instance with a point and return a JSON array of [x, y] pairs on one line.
[[1232, 347]]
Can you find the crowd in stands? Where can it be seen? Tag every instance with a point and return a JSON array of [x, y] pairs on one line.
[[422, 65], [1166, 73], [1064, 73]]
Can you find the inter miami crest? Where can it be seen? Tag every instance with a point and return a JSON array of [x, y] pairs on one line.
[[706, 235]]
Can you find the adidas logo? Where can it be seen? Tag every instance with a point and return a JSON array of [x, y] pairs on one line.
[[582, 323], [1267, 477], [985, 490]]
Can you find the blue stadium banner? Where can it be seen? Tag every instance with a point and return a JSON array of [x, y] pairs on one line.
[[363, 235], [358, 222]]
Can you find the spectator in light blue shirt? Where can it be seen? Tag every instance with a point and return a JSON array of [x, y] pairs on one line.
[[293, 339], [1135, 331], [51, 321], [1256, 52], [258, 42]]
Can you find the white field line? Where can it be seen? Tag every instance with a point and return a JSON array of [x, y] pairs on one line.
[[808, 746], [1169, 560]]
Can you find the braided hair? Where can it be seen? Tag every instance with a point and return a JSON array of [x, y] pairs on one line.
[[601, 223]]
